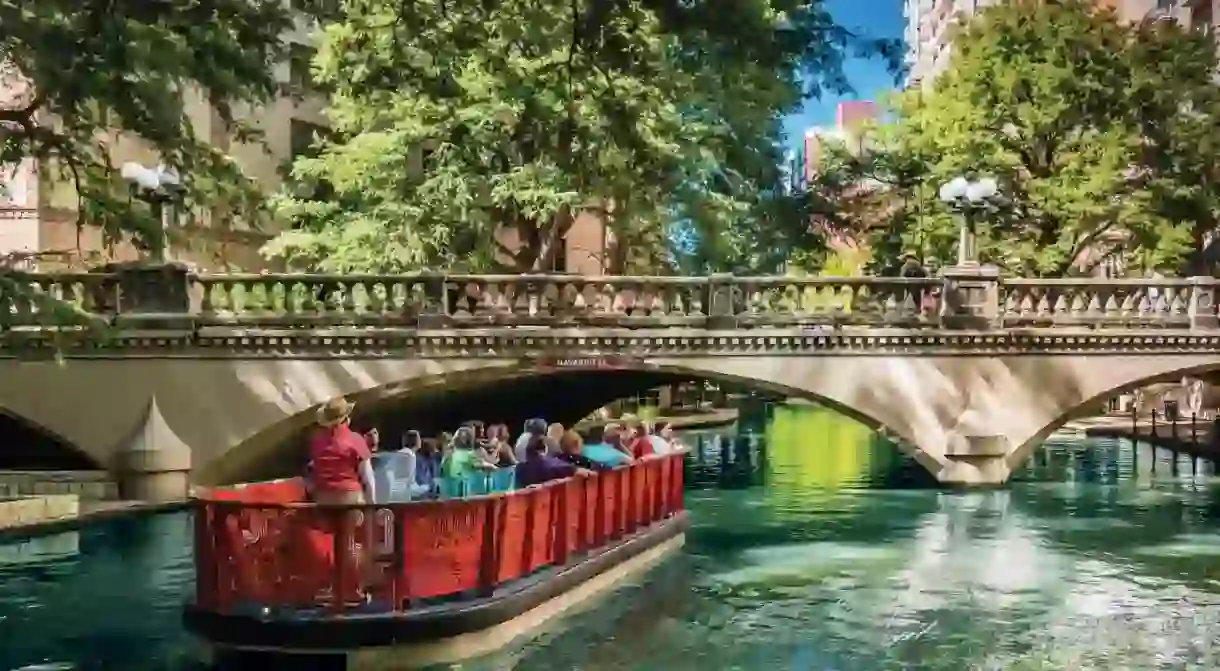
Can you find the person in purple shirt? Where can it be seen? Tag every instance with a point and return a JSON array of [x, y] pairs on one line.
[[540, 467]]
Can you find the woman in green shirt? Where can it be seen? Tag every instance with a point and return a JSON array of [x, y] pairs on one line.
[[463, 459]]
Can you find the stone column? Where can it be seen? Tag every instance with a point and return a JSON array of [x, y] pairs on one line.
[[721, 296], [153, 295], [975, 460], [1203, 303], [971, 297], [153, 463], [665, 398], [434, 313]]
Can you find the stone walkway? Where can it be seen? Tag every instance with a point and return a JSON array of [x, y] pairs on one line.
[[90, 511], [1193, 439]]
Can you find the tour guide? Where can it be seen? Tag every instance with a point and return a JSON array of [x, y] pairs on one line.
[[342, 472]]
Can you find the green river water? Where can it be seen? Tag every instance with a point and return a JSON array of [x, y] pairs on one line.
[[815, 546]]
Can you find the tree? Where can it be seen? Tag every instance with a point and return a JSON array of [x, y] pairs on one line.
[[1092, 126], [82, 72], [463, 125]]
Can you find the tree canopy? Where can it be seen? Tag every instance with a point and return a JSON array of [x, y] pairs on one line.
[[86, 72], [1101, 133], [463, 126]]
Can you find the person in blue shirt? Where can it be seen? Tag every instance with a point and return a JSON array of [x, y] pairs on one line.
[[601, 449]]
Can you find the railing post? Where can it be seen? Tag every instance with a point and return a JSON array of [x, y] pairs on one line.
[[155, 296], [1203, 303], [721, 295], [436, 309], [970, 298]]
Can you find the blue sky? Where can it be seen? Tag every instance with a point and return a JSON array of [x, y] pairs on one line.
[[875, 18]]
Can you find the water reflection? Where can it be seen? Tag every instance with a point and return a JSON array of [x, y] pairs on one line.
[[1101, 556], [106, 597], [814, 546]]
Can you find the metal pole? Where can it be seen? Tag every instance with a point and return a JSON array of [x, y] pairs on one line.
[[965, 242], [1194, 442], [1152, 440], [158, 211]]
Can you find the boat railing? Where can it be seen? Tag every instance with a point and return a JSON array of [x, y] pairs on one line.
[[261, 549]]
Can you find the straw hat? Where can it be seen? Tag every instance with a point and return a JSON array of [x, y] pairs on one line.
[[334, 412]]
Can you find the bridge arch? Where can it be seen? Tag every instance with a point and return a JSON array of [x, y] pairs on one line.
[[257, 457], [1120, 380], [30, 446]]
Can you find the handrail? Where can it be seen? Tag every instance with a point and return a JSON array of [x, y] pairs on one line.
[[437, 300], [254, 555]]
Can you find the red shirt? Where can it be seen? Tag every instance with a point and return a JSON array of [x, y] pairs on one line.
[[336, 455], [641, 447]]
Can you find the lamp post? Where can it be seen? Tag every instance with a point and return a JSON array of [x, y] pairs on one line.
[[968, 198], [159, 187]]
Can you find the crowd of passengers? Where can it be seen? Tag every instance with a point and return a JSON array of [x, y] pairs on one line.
[[347, 467]]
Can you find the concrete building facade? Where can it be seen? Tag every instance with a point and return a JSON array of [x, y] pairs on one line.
[[38, 214]]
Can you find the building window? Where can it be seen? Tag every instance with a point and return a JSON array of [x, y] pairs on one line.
[[305, 137], [300, 78]]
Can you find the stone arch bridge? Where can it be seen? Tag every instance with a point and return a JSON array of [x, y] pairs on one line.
[[164, 376]]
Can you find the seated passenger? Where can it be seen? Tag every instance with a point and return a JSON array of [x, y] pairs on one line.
[[533, 427], [540, 467], [496, 448], [479, 429], [554, 434], [638, 442], [427, 460], [464, 459], [661, 438], [602, 450], [571, 446]]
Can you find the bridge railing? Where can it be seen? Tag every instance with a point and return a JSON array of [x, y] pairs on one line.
[[1137, 303], [255, 553], [438, 301]]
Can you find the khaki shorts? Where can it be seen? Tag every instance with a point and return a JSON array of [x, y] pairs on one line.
[[334, 497]]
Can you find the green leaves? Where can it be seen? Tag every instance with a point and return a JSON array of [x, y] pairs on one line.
[[471, 133], [1092, 126], [93, 69]]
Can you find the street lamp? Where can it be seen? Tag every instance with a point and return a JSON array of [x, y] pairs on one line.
[[968, 198], [159, 186]]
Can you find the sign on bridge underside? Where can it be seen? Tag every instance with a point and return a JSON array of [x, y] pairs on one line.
[[608, 362]]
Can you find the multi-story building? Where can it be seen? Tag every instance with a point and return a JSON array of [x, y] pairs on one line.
[[38, 215], [928, 22], [851, 119], [927, 34]]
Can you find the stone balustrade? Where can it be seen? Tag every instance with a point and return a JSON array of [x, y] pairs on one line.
[[978, 300]]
